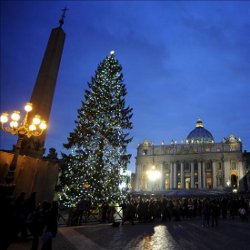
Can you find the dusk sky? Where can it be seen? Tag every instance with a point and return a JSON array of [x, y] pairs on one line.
[[180, 60]]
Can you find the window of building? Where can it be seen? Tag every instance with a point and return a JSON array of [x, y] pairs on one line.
[[219, 166], [187, 183], [167, 182], [233, 165], [144, 152], [208, 180], [207, 149], [219, 180], [209, 166], [166, 166], [196, 167], [187, 167], [178, 166]]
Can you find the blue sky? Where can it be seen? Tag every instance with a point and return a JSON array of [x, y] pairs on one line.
[[181, 60]]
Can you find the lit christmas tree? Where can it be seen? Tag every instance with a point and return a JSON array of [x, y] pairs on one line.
[[99, 141]]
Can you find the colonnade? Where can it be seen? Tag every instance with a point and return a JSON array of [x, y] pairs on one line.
[[194, 174], [197, 178]]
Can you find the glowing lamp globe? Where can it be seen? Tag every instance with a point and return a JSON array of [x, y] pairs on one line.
[[28, 107], [36, 119], [43, 125], [13, 124], [32, 127], [15, 116], [4, 118]]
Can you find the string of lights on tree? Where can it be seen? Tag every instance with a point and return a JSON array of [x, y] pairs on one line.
[[99, 142]]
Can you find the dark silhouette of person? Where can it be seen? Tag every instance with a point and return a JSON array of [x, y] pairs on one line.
[[36, 224], [104, 210], [50, 220], [215, 212], [129, 213], [224, 207], [83, 206], [206, 213], [7, 222], [20, 216]]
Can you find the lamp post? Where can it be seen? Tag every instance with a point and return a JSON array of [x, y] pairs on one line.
[[153, 175], [25, 129]]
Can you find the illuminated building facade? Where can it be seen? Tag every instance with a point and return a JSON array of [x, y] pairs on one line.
[[197, 163]]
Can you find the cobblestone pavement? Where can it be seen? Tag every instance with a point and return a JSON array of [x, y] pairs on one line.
[[230, 234]]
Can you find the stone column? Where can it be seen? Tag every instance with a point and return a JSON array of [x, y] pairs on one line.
[[204, 174], [182, 175], [199, 174], [214, 175], [138, 178], [175, 178], [192, 175], [226, 172], [241, 170], [241, 173], [171, 176], [163, 177]]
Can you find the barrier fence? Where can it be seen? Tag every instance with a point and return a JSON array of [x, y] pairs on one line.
[[74, 216]]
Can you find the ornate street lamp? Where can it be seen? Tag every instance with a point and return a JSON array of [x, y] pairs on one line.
[[22, 130]]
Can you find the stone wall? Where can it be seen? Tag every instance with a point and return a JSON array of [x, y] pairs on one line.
[[32, 175]]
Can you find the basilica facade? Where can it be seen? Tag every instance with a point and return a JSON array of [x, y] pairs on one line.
[[197, 163]]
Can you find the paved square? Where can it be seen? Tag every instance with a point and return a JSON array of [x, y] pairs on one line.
[[230, 234]]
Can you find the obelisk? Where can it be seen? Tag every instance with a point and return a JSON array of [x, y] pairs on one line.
[[43, 91]]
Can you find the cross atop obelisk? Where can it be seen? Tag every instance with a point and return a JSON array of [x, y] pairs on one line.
[[61, 21]]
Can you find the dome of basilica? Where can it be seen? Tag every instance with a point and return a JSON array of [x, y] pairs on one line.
[[200, 134]]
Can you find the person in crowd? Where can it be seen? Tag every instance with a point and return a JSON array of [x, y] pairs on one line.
[[129, 213], [215, 212], [224, 207], [20, 215], [50, 221], [8, 222], [35, 223], [164, 209], [152, 210], [243, 208], [205, 212], [176, 209], [83, 207], [233, 207], [104, 211]]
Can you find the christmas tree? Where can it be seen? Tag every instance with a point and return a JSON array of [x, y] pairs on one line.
[[99, 141]]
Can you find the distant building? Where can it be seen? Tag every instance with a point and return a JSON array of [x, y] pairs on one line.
[[195, 164]]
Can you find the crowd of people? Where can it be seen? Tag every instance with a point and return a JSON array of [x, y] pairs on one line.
[[148, 209], [23, 217], [176, 209]]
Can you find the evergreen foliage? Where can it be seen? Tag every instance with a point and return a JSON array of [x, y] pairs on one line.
[[99, 141]]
